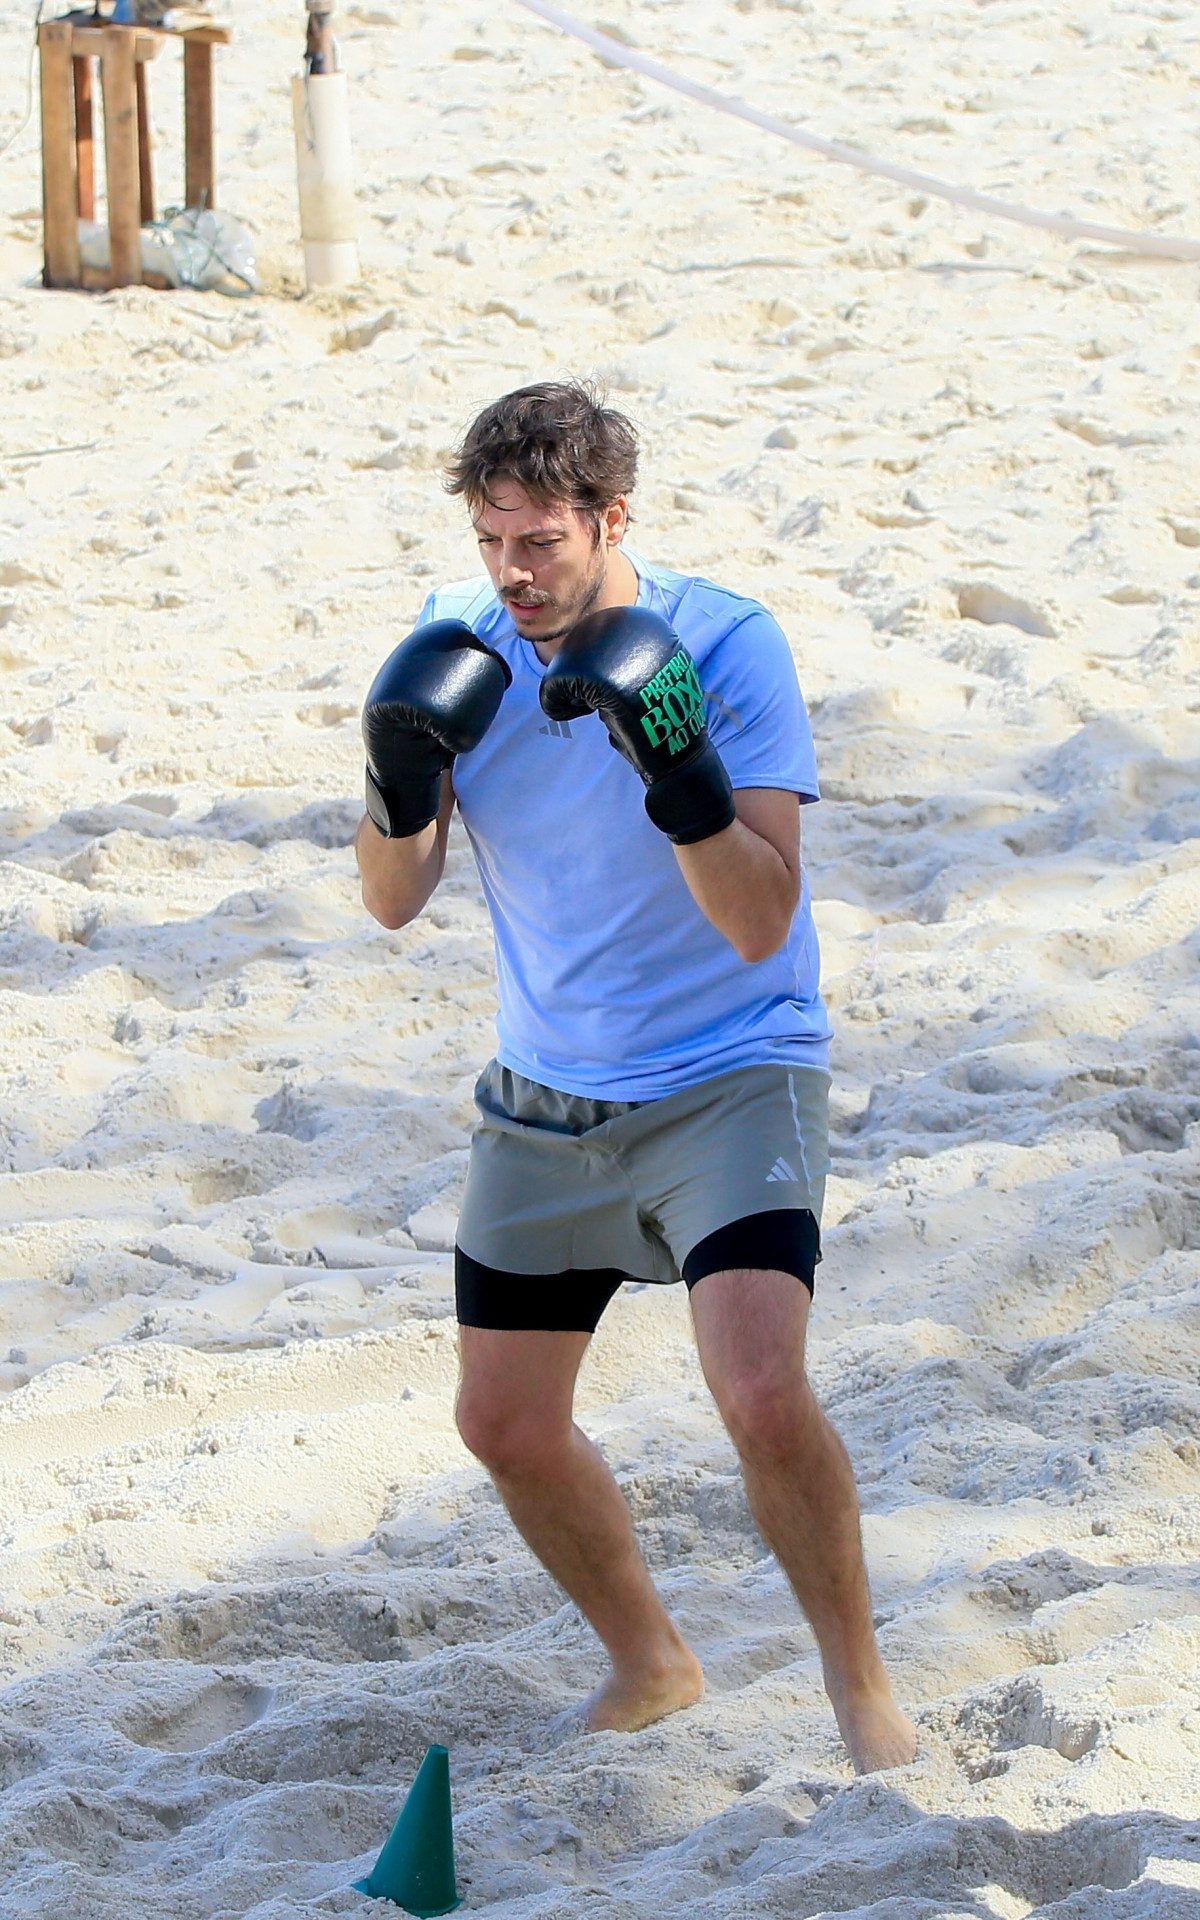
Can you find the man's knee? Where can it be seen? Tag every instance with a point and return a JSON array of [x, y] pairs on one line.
[[507, 1439], [770, 1411]]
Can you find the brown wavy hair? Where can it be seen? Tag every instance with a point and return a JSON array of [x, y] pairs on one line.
[[557, 440]]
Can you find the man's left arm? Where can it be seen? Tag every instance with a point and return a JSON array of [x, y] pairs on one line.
[[729, 801], [746, 879]]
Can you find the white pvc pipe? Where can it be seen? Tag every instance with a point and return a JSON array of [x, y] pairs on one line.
[[616, 52], [325, 173]]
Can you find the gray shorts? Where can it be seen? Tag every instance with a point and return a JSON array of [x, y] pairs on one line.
[[574, 1195]]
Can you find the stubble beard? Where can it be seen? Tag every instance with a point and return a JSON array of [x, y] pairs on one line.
[[581, 603]]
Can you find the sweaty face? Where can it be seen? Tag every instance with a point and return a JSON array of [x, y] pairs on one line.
[[546, 562]]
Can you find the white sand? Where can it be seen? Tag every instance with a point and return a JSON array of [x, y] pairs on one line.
[[247, 1569]]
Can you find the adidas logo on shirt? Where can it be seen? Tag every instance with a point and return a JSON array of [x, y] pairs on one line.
[[782, 1171], [558, 729]]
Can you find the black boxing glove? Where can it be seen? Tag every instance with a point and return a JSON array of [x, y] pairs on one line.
[[627, 665], [434, 697]]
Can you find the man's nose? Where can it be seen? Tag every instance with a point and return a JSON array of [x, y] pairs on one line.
[[513, 570]]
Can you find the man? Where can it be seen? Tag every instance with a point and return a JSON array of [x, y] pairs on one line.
[[657, 1105]]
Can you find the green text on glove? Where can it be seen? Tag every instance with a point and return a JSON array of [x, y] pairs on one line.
[[675, 703]]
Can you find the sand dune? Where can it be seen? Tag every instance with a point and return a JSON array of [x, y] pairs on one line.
[[247, 1570]]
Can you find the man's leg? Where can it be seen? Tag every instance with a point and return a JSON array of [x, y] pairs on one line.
[[514, 1413], [750, 1328]]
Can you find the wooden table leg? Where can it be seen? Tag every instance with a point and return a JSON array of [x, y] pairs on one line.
[[60, 192], [200, 179], [85, 143], [145, 148], [121, 157]]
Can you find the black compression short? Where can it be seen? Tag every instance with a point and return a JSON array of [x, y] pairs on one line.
[[786, 1240]]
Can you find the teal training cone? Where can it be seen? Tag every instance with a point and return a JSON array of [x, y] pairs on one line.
[[416, 1867]]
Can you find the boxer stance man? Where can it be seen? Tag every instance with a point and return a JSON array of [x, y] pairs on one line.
[[657, 1106]]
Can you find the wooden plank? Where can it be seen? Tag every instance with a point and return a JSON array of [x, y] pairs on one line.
[[60, 194], [95, 279], [200, 161], [85, 141], [145, 148], [195, 27], [121, 158], [90, 39]]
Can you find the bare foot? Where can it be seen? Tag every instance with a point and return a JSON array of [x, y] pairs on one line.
[[622, 1704], [876, 1733]]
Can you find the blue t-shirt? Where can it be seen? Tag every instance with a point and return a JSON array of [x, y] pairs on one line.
[[612, 983]]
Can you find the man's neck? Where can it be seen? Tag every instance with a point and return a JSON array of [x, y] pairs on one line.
[[621, 585]]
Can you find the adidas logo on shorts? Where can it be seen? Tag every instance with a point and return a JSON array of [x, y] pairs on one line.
[[782, 1171], [558, 729]]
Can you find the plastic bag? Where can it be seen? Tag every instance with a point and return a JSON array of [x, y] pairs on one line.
[[204, 248], [197, 247]]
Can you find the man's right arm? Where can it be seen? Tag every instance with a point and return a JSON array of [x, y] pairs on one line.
[[434, 697], [399, 876]]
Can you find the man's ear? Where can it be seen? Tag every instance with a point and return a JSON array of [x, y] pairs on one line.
[[614, 518]]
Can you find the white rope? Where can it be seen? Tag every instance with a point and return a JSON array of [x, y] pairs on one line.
[[620, 55], [27, 116]]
